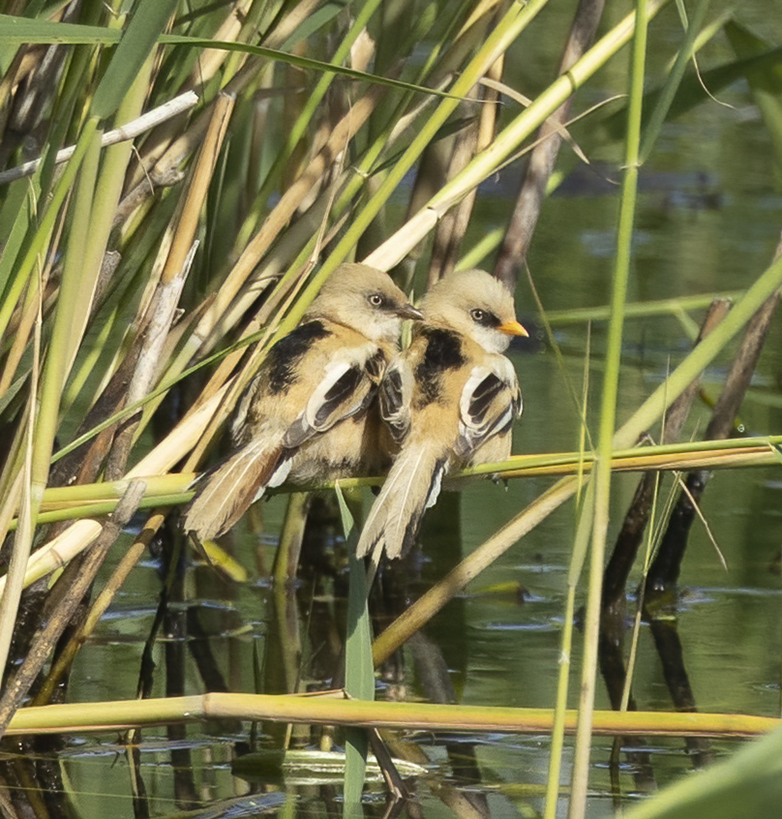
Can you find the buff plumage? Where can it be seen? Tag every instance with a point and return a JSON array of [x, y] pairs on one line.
[[450, 401], [307, 415]]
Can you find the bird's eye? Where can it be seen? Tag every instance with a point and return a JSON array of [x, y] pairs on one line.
[[375, 299], [477, 315]]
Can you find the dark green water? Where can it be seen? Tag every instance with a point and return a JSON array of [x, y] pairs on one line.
[[709, 218]]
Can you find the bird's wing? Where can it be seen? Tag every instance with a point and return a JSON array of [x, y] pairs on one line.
[[287, 365], [349, 383], [489, 403], [394, 398]]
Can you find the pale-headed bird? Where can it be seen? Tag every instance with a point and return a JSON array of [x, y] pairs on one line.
[[450, 401], [306, 415]]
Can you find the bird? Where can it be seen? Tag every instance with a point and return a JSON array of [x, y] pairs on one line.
[[309, 414], [449, 401]]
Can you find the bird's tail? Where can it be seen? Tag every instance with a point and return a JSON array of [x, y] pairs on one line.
[[227, 492], [412, 485]]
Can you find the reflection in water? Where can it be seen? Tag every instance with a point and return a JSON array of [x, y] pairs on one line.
[[490, 646]]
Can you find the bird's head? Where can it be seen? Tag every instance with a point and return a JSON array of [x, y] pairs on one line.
[[476, 305], [366, 300]]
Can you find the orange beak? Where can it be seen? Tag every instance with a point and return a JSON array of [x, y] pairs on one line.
[[512, 328]]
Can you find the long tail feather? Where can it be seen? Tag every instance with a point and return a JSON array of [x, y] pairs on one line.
[[229, 491], [411, 486]]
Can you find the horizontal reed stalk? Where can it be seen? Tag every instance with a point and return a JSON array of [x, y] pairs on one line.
[[333, 708]]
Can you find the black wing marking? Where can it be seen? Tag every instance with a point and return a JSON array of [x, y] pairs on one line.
[[390, 395], [392, 404], [345, 391], [284, 356], [482, 398], [488, 406], [339, 392], [277, 374]]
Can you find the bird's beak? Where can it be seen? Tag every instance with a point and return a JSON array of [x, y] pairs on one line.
[[407, 311], [512, 328]]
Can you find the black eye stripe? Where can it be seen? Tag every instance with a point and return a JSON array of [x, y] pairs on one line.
[[484, 317]]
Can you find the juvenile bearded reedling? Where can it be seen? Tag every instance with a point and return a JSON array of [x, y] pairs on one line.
[[450, 401], [305, 416]]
